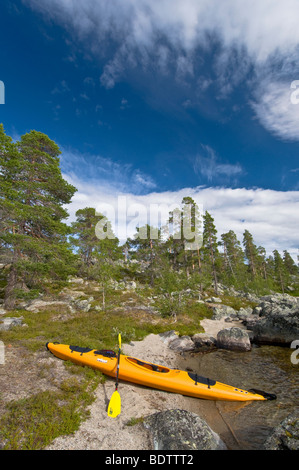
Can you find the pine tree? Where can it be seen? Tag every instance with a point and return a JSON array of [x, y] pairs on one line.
[[279, 269], [289, 263], [251, 253], [86, 242], [33, 193], [147, 246], [175, 242], [233, 255], [262, 262], [191, 234], [210, 246], [185, 240]]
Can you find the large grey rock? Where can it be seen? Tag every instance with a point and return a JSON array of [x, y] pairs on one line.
[[181, 344], [168, 336], [181, 430], [222, 311], [83, 304], [243, 313], [41, 305], [203, 341], [235, 339], [278, 320], [286, 435], [8, 322]]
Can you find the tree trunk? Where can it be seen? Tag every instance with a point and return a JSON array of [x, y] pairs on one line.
[[9, 297], [213, 266]]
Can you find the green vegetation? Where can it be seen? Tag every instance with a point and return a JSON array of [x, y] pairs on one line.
[[34, 422]]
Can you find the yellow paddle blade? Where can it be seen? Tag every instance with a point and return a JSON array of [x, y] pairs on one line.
[[119, 341], [114, 406]]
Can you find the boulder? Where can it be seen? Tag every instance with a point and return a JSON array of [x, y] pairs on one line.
[[182, 344], [203, 341], [181, 430], [130, 285], [257, 310], [76, 280], [83, 304], [222, 311], [235, 339], [286, 435], [214, 300], [243, 313], [8, 322], [168, 336], [40, 305], [278, 320]]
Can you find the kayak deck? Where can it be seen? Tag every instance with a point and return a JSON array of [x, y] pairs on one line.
[[156, 376]]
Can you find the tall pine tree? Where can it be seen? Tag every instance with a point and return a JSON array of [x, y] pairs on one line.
[[233, 256], [32, 196], [210, 247], [251, 253]]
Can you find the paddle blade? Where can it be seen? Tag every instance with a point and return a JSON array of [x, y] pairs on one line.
[[119, 341], [114, 406]]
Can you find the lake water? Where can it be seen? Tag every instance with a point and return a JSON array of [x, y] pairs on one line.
[[246, 425]]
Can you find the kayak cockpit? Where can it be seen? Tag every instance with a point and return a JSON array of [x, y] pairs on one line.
[[147, 365]]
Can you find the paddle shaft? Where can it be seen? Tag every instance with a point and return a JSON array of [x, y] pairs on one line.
[[118, 360], [117, 370], [114, 406]]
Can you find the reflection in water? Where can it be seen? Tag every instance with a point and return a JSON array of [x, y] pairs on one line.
[[246, 425]]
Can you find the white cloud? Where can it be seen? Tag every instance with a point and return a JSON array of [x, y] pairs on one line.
[[208, 165], [271, 216], [101, 172], [275, 110], [263, 28]]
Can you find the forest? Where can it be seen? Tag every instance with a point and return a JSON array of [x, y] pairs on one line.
[[38, 245]]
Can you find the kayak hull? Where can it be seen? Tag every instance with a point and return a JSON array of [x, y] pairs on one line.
[[155, 376]]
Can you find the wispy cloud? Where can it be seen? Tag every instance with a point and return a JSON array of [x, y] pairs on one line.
[[98, 171], [257, 45], [275, 110], [209, 166], [61, 87]]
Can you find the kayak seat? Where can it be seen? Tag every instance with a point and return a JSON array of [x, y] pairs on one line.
[[149, 366], [202, 380], [79, 349], [105, 352]]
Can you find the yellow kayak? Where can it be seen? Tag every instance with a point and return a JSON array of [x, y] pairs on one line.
[[153, 375]]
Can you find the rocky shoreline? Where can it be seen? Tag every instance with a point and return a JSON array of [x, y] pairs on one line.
[[275, 320]]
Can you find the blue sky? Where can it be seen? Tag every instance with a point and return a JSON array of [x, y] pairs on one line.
[[157, 100]]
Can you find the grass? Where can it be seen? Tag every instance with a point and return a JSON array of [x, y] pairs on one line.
[[32, 423]]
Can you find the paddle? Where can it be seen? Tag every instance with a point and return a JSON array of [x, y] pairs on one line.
[[114, 406]]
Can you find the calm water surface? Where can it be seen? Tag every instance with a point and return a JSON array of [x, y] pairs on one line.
[[267, 368]]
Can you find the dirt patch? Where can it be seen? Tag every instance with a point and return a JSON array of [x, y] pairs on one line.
[[25, 373]]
